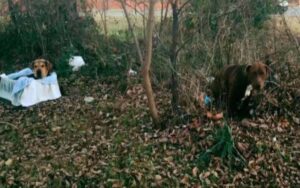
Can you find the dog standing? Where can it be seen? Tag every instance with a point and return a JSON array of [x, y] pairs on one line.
[[231, 84]]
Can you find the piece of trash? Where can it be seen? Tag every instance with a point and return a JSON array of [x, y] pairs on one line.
[[132, 72], [215, 117], [76, 62], [251, 112], [248, 90], [89, 99], [204, 99], [207, 100], [210, 79], [218, 116]]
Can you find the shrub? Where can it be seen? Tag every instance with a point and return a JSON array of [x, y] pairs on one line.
[[54, 30]]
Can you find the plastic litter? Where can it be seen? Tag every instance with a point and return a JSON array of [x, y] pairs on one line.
[[89, 99], [132, 72], [207, 100], [76, 62]]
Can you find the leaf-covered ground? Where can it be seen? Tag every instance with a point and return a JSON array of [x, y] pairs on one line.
[[110, 142]]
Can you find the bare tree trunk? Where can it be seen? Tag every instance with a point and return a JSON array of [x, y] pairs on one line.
[[104, 16], [147, 63], [74, 9], [163, 17], [173, 55]]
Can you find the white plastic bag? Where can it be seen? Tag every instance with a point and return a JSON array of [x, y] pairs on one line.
[[76, 62]]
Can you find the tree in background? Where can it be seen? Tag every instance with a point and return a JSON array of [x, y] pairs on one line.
[[147, 63], [147, 59]]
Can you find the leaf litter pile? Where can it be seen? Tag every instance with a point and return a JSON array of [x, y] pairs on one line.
[[97, 136]]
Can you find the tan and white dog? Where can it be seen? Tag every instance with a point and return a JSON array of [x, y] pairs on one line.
[[41, 68]]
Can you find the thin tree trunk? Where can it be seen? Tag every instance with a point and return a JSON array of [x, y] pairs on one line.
[[164, 17], [104, 16], [147, 63], [73, 9], [173, 55]]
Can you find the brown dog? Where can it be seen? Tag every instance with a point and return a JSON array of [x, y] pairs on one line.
[[231, 83], [41, 68]]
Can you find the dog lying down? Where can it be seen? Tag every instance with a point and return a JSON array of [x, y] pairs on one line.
[[235, 84], [41, 68], [30, 86]]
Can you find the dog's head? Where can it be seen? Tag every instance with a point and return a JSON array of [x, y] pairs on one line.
[[257, 74], [41, 68]]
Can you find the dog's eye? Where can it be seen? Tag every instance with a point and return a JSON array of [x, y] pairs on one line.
[[43, 66], [35, 66]]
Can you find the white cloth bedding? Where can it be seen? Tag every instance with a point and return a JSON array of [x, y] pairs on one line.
[[32, 94]]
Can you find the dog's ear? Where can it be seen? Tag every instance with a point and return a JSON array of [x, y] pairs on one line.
[[247, 69], [32, 64], [268, 69], [49, 66]]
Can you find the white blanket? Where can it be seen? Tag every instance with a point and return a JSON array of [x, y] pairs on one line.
[[32, 94]]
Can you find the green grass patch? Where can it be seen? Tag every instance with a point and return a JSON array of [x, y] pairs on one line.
[[224, 147]]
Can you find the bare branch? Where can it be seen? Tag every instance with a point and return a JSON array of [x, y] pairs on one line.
[[183, 6], [132, 32]]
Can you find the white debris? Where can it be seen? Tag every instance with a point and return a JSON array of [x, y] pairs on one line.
[[248, 90], [251, 112], [76, 62], [210, 79], [132, 72], [89, 99]]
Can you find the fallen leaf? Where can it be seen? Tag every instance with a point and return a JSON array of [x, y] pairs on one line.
[[242, 146], [296, 120], [9, 162], [185, 180], [56, 129], [195, 171], [206, 174], [158, 178], [247, 123], [264, 126]]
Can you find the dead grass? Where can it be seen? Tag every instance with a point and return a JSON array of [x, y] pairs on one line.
[[116, 20], [293, 23]]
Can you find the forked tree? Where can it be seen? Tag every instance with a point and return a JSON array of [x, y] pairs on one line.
[[147, 58]]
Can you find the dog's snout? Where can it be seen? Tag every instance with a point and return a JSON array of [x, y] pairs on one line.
[[39, 73], [258, 85]]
